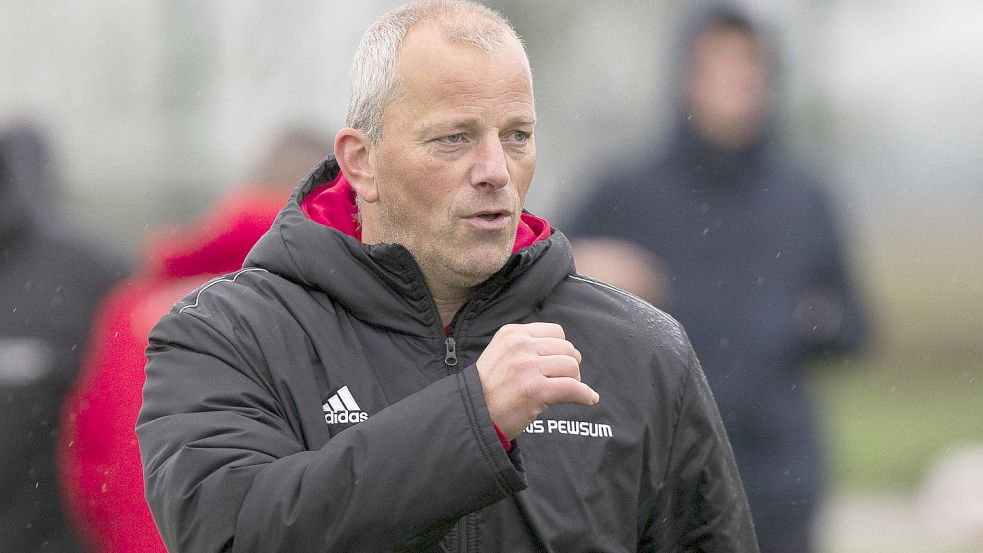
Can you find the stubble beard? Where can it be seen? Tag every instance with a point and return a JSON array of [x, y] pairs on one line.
[[460, 270], [447, 261]]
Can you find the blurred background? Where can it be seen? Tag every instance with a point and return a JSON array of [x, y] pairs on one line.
[[155, 109]]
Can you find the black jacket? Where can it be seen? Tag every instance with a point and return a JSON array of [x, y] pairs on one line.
[[747, 239], [312, 402], [51, 279]]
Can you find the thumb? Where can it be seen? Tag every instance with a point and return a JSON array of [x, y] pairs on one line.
[[571, 390]]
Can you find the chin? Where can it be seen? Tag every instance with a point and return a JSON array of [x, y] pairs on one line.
[[478, 268]]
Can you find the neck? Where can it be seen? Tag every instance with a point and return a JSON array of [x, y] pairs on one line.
[[448, 297], [449, 289], [447, 307]]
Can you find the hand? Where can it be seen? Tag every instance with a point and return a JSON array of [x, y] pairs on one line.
[[525, 369], [626, 265], [820, 315]]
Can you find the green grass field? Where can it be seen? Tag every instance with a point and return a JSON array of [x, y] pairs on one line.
[[919, 389], [885, 424]]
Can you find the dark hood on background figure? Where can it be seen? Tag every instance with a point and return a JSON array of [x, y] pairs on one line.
[[716, 166], [697, 20], [24, 178]]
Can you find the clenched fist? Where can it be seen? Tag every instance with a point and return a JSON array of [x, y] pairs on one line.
[[525, 369]]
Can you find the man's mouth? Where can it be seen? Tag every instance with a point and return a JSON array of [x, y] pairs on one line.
[[490, 220]]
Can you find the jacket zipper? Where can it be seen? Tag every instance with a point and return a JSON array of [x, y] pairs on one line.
[[450, 345], [450, 359], [450, 355]]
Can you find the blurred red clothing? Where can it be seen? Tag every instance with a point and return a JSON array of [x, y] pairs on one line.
[[99, 459]]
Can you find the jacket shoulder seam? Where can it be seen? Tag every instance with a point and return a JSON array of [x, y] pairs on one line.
[[218, 281], [606, 286]]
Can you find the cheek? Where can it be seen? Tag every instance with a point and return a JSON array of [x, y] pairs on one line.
[[524, 173], [409, 181], [438, 185]]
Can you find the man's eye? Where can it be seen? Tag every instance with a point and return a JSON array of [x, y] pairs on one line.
[[451, 139], [520, 136]]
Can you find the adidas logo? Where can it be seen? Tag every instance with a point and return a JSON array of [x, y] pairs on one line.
[[342, 408]]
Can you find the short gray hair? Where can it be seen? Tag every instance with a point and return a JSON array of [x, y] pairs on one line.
[[375, 71]]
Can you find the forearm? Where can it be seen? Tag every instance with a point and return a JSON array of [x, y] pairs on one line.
[[385, 483], [394, 481]]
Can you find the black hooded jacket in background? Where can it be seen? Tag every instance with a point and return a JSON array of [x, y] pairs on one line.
[[312, 402], [745, 238], [50, 284]]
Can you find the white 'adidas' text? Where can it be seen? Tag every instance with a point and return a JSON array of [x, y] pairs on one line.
[[341, 408]]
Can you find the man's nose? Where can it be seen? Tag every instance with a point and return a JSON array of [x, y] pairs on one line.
[[490, 165]]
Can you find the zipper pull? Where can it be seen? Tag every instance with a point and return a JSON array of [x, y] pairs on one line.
[[450, 358]]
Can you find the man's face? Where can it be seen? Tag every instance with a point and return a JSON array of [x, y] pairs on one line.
[[727, 85], [456, 157]]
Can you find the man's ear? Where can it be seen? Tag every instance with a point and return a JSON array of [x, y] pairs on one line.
[[353, 151]]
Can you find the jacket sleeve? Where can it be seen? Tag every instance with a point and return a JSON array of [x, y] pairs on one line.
[[226, 469], [836, 321], [703, 508]]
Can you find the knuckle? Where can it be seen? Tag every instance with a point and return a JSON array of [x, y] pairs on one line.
[[521, 342], [570, 367], [532, 389], [574, 370], [504, 331], [570, 350]]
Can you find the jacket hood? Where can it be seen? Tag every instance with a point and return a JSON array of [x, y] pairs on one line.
[[315, 243], [699, 19], [14, 214], [712, 166], [23, 178]]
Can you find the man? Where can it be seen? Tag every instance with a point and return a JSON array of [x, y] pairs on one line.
[[51, 280], [747, 256], [427, 373], [99, 461]]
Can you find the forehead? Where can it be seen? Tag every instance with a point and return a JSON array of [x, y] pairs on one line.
[[725, 40], [436, 74]]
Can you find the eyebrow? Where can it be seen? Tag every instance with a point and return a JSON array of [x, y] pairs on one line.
[[441, 127], [522, 120]]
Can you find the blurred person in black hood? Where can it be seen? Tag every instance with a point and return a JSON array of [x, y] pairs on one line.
[[743, 248], [51, 278]]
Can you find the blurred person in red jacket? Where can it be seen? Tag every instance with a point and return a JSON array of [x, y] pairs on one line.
[[99, 460]]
